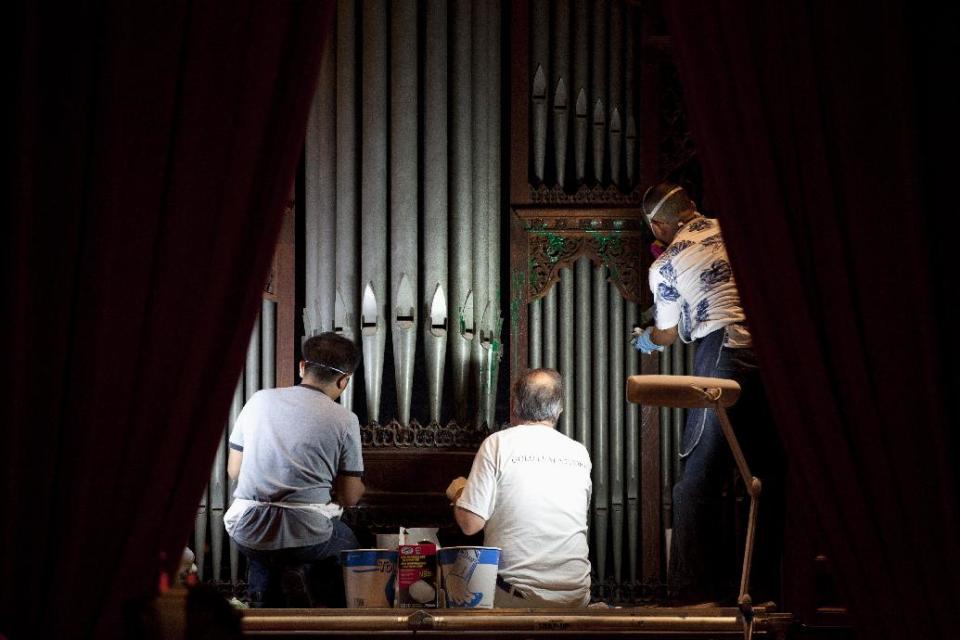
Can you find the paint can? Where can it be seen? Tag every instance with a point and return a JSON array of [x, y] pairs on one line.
[[469, 576], [368, 577]]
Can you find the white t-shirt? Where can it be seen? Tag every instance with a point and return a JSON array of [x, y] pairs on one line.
[[693, 287], [532, 485]]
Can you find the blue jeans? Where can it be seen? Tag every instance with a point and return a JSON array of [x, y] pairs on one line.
[[320, 561], [704, 559]]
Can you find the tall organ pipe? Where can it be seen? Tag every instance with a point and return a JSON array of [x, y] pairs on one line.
[[373, 199], [435, 202], [583, 377], [617, 336], [480, 79], [666, 458], [615, 99], [535, 328], [560, 85], [632, 446], [461, 205], [540, 60], [321, 199], [347, 160], [235, 408], [566, 350], [200, 531], [493, 200], [601, 495], [631, 98], [599, 86], [218, 496], [550, 329], [581, 88], [268, 342], [677, 414], [403, 197]]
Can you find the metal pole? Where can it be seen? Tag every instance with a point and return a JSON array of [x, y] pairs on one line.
[[632, 432], [601, 495], [373, 200], [584, 372], [540, 72], [435, 204], [581, 78], [461, 205], [566, 350], [617, 336], [347, 304], [599, 87], [321, 198], [404, 178], [560, 83]]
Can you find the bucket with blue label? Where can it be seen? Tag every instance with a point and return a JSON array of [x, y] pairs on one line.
[[469, 576], [368, 577]]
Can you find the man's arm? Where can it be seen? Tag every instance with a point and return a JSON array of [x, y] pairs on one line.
[[349, 490], [470, 523], [664, 337], [234, 460]]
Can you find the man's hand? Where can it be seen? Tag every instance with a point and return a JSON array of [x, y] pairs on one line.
[[644, 344], [456, 488]]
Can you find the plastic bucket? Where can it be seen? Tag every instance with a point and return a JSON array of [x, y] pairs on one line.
[[469, 576], [368, 577]]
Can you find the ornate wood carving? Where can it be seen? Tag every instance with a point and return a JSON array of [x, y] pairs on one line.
[[585, 195], [556, 238], [451, 436]]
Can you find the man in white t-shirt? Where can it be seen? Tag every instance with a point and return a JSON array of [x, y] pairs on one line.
[[529, 491]]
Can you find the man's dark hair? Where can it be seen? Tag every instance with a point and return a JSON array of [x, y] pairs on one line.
[[538, 396], [672, 207], [329, 356]]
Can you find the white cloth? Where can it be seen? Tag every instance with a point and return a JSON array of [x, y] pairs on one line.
[[693, 286], [240, 506], [532, 485]]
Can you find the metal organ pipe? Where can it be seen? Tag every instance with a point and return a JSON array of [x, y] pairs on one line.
[[403, 198], [435, 205], [461, 205], [617, 336], [321, 199], [373, 200], [567, 348], [346, 303], [601, 495]]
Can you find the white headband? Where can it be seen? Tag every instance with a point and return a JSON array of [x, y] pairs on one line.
[[656, 208]]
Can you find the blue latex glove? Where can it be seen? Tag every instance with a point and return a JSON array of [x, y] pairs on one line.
[[644, 344]]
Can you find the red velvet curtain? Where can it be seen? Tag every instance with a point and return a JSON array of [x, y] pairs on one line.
[[811, 120], [153, 148]]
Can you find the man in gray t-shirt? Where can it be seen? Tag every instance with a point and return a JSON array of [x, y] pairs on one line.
[[296, 455]]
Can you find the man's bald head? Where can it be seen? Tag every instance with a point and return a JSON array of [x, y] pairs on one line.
[[538, 396]]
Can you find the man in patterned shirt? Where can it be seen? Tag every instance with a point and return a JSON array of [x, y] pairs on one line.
[[696, 299]]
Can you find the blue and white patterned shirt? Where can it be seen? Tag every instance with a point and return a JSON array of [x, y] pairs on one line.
[[693, 287]]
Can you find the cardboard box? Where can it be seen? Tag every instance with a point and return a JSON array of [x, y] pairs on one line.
[[417, 576]]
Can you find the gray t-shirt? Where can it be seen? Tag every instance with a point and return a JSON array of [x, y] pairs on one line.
[[295, 441]]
